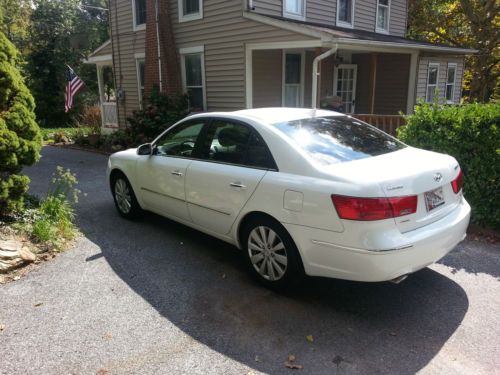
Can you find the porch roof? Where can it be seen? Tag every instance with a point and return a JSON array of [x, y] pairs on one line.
[[353, 37], [101, 55]]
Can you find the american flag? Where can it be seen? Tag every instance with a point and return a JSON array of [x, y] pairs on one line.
[[73, 84]]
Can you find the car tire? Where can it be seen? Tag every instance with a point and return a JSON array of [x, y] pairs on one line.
[[272, 256], [124, 197]]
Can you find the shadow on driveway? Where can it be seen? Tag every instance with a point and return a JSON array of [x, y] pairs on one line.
[[201, 285]]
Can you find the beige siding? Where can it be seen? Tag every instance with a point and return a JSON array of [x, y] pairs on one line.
[[321, 11], [224, 32], [364, 14], [398, 17], [268, 7], [267, 78], [443, 66], [126, 44]]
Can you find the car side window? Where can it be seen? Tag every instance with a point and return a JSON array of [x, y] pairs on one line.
[[232, 142], [180, 141]]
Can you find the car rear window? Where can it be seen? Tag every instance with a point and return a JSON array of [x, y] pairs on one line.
[[337, 139]]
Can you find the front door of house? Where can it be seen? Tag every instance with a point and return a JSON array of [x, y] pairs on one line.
[[345, 85], [293, 79]]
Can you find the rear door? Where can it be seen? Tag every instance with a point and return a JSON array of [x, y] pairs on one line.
[[234, 159]]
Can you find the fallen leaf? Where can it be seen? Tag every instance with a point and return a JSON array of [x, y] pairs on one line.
[[38, 304], [102, 371], [224, 276], [291, 358], [310, 338], [393, 334], [2, 327], [293, 366]]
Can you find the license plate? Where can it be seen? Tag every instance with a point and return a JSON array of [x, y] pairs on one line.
[[434, 199]]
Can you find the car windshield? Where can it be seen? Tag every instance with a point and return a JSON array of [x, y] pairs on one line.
[[337, 139]]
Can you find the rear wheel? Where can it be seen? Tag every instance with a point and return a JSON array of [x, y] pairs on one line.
[[272, 255], [124, 197]]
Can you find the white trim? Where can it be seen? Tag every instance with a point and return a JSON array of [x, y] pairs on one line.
[[354, 82], [138, 77], [344, 23], [410, 46], [105, 44], [194, 51], [451, 65], [248, 77], [188, 50], [302, 74], [139, 55], [412, 83], [189, 17], [378, 29], [137, 27], [295, 16], [100, 60], [436, 85]]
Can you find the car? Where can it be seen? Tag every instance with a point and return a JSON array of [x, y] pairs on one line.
[[300, 191]]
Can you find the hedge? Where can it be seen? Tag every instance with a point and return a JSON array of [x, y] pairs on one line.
[[471, 134]]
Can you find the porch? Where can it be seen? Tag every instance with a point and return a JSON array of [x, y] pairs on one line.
[[372, 86]]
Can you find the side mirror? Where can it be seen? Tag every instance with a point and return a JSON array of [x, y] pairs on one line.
[[145, 149]]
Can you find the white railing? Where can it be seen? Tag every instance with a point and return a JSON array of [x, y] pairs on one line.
[[109, 115]]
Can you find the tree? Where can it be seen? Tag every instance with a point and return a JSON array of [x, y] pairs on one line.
[[20, 138], [15, 21], [465, 23], [63, 33]]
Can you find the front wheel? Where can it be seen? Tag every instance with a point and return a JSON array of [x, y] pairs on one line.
[[124, 198], [272, 254]]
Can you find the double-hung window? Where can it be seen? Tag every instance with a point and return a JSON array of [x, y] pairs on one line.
[[432, 82], [190, 10], [294, 9], [139, 14], [383, 8], [193, 76], [450, 83], [345, 13]]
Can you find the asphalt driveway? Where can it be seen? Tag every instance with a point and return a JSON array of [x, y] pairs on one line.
[[155, 297]]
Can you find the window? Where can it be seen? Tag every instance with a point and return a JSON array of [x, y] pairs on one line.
[[293, 74], [180, 141], [235, 143], [450, 83], [139, 63], [337, 139], [383, 7], [193, 77], [432, 82], [190, 10], [139, 13], [345, 13], [294, 9]]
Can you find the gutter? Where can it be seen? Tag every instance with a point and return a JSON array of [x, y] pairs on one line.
[[316, 75]]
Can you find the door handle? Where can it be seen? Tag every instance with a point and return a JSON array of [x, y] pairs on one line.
[[238, 185], [176, 173]]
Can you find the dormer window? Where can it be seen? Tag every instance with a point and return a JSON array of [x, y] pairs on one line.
[[190, 10], [139, 14], [383, 7], [345, 13], [294, 9]]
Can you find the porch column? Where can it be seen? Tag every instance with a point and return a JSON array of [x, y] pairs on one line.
[[101, 91], [412, 83], [373, 81]]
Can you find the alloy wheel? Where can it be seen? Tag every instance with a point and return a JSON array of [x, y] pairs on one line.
[[123, 196], [267, 253]]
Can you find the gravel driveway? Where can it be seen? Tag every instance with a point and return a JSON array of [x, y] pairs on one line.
[[155, 297]]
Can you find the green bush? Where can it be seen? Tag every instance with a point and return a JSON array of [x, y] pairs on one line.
[[159, 113], [20, 139], [471, 134], [50, 134]]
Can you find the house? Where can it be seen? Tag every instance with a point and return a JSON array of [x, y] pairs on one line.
[[234, 54]]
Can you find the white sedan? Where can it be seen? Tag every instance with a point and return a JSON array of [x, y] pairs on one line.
[[300, 191]]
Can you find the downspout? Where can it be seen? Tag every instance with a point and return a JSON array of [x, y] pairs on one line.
[[316, 75], [157, 22]]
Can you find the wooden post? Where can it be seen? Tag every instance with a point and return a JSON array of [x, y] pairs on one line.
[[373, 81]]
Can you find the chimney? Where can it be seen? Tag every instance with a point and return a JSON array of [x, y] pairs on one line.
[[168, 61]]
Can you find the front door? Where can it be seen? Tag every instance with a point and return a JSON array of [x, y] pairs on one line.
[[293, 79], [345, 86], [234, 160], [161, 176]]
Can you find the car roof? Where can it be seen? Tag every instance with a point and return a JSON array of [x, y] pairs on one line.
[[274, 115]]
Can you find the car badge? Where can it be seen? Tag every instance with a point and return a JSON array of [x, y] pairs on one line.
[[438, 177]]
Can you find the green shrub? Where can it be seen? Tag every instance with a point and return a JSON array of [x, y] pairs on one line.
[[72, 133], [159, 113], [471, 134], [43, 230], [20, 139]]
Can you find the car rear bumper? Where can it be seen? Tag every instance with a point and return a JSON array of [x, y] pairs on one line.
[[411, 251]]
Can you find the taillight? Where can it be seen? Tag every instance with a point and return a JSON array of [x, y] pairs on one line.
[[457, 183], [368, 209]]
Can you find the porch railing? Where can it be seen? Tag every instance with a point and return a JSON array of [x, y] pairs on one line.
[[387, 123], [109, 115]]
